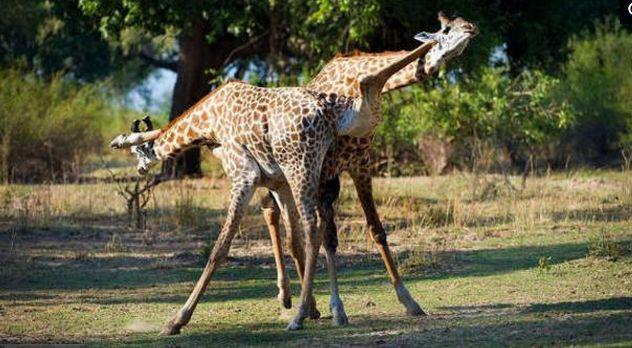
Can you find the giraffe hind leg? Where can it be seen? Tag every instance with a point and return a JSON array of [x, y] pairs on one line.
[[294, 237], [362, 182], [272, 213], [329, 193]]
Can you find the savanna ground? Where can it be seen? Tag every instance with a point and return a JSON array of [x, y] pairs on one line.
[[492, 264]]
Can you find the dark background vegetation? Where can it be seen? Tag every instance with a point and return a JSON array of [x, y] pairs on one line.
[[546, 85]]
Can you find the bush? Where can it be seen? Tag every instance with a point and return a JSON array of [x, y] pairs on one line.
[[598, 82], [49, 128], [603, 245], [469, 116]]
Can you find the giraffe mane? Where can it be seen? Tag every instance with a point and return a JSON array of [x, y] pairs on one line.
[[358, 53], [188, 111]]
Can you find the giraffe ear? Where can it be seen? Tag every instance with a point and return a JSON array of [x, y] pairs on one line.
[[135, 126], [425, 37], [443, 19], [147, 122]]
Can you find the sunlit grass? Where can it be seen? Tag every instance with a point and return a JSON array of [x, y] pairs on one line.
[[471, 249]]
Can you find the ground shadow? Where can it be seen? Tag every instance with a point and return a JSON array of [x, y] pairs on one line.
[[124, 271], [452, 331], [606, 304], [603, 304]]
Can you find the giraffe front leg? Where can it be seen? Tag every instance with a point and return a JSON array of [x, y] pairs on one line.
[[272, 213], [305, 197], [245, 175], [363, 185]]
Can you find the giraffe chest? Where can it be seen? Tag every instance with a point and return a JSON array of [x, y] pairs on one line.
[[350, 154]]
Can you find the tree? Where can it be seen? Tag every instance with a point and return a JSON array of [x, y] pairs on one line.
[[536, 32], [54, 37], [598, 83], [215, 37]]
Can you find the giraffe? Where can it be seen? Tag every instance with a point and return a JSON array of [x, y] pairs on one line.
[[352, 154], [271, 137]]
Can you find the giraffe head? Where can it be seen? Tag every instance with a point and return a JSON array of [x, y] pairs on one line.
[[452, 39], [144, 152], [140, 143]]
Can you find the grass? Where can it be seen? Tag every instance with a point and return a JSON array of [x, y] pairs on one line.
[[492, 265]]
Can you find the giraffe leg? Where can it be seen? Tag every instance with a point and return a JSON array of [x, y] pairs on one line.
[[243, 187], [272, 213], [294, 237], [364, 188], [305, 195], [329, 194]]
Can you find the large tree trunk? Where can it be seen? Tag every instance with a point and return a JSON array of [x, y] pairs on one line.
[[194, 61], [197, 62]]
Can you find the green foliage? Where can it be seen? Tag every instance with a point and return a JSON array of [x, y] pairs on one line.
[[47, 128], [517, 114], [54, 36], [536, 32], [308, 31], [598, 82], [353, 20]]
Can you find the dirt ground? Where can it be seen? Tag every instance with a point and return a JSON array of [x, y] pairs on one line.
[[492, 263]]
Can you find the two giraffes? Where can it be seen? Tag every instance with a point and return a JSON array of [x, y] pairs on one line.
[[296, 141]]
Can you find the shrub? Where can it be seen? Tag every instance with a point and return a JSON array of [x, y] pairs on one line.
[[48, 128], [468, 114], [598, 82], [604, 246]]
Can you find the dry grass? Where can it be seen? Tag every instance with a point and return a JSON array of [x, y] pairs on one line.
[[478, 251]]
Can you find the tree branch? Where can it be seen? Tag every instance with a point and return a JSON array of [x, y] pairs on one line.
[[159, 63], [246, 48]]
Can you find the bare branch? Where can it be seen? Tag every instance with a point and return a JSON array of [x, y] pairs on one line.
[[245, 48], [159, 63]]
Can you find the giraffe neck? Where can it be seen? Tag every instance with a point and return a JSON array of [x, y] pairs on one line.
[[343, 74], [196, 126], [362, 119], [410, 74]]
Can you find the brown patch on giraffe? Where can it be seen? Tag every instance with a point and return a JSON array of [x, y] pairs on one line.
[[200, 102], [192, 134], [196, 121]]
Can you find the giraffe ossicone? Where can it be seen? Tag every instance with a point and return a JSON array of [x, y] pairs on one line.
[[451, 39]]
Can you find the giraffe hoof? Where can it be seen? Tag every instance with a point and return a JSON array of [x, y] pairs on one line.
[[294, 325], [286, 300], [314, 314], [170, 329], [414, 310], [340, 319]]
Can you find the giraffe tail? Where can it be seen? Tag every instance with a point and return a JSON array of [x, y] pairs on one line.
[[124, 141]]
